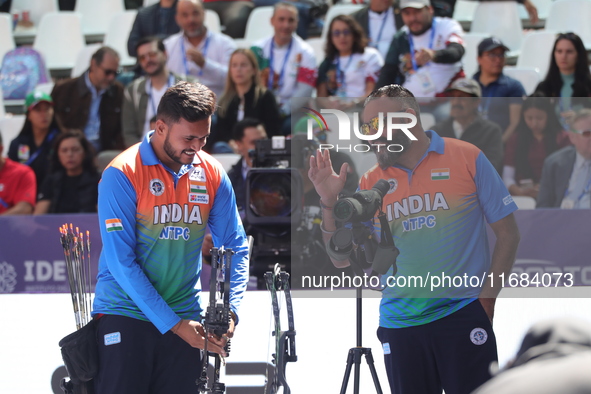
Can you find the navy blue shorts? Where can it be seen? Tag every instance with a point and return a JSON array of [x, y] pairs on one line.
[[135, 358], [453, 353]]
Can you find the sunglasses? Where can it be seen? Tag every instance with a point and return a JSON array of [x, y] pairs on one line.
[[150, 55], [337, 33], [584, 133], [371, 127], [108, 72]]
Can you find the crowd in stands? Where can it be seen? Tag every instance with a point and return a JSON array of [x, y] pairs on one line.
[[540, 145]]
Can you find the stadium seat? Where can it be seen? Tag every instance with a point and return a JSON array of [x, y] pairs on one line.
[[528, 76], [469, 60], [464, 10], [227, 159], [150, 2], [96, 15], [427, 120], [36, 8], [543, 7], [569, 16], [508, 28], [338, 9], [6, 39], [2, 111], [318, 45], [212, 21], [10, 127], [258, 27], [524, 202], [45, 87], [537, 50], [59, 38], [118, 33], [83, 59]]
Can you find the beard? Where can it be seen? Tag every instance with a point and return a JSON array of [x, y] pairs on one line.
[[168, 149], [384, 156], [157, 71]]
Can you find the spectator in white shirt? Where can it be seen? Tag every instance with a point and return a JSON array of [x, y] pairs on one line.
[[197, 51]]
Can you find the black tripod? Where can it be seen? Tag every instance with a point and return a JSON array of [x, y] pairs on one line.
[[354, 357]]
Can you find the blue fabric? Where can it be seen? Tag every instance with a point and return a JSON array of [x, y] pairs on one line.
[[501, 93], [93, 126]]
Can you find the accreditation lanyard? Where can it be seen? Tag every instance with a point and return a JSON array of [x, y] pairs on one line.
[[151, 89], [203, 52], [377, 41], [272, 70], [341, 73], [45, 143], [412, 45], [483, 108]]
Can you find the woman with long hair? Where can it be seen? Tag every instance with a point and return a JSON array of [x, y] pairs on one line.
[[568, 77], [33, 144], [72, 184], [350, 68], [538, 134], [244, 97]]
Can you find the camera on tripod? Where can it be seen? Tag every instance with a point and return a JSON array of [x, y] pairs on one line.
[[362, 207], [275, 191]]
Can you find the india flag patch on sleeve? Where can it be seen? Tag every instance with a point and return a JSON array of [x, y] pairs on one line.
[[439, 174], [113, 225], [198, 189]]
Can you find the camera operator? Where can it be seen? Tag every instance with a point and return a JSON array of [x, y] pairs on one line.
[[441, 192]]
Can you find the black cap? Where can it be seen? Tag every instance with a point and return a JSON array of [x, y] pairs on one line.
[[488, 44]]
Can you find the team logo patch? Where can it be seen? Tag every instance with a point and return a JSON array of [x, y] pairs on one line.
[[1, 187], [113, 225], [23, 152], [478, 336], [199, 198], [507, 200], [386, 347], [393, 185], [439, 174], [156, 187], [112, 338], [198, 174]]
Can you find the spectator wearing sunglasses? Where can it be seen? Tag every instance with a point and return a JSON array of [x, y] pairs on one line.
[[350, 68], [566, 176], [92, 102], [568, 78]]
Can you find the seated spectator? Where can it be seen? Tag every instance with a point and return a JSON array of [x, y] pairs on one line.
[[380, 20], [467, 125], [537, 136], [554, 357], [92, 102], [501, 95], [72, 184], [425, 55], [33, 144], [17, 186], [351, 68], [568, 77], [244, 97], [287, 63], [196, 50], [155, 20], [303, 8], [233, 14], [566, 175], [245, 133], [141, 98], [446, 8]]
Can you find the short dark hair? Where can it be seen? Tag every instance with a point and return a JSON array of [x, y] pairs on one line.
[[149, 40], [190, 101], [89, 154], [99, 55], [402, 94], [239, 127]]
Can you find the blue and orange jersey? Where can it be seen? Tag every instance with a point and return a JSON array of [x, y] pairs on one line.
[[437, 214], [153, 222]]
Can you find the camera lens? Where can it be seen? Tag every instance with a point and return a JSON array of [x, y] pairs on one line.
[[270, 195]]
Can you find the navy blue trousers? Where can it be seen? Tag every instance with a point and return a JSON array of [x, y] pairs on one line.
[[135, 358], [453, 353]]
